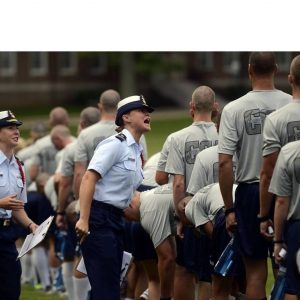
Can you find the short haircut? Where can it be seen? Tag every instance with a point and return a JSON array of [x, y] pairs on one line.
[[109, 100], [58, 116], [60, 130], [262, 63], [203, 98], [90, 116], [295, 70]]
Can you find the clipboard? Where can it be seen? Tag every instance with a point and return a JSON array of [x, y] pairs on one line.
[[126, 261], [34, 239]]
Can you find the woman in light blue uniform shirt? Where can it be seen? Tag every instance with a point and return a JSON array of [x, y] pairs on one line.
[[114, 173], [12, 199]]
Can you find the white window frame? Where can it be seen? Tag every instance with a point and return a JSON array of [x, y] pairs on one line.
[[11, 70], [70, 70], [43, 68], [207, 58]]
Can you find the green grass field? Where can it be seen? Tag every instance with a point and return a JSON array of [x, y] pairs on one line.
[[161, 128]]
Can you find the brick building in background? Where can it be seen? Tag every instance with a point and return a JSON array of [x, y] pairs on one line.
[[35, 79]]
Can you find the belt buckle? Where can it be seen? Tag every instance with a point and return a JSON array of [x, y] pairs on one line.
[[6, 222]]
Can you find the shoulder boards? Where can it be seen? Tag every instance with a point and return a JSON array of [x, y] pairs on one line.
[[121, 137], [21, 162]]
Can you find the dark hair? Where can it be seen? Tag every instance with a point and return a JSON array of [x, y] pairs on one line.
[[262, 63]]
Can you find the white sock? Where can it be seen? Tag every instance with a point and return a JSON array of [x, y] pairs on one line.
[[81, 287], [67, 273], [27, 268], [40, 262]]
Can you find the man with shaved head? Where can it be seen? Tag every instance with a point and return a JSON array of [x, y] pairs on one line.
[[281, 127], [240, 133], [183, 147], [58, 116], [45, 151]]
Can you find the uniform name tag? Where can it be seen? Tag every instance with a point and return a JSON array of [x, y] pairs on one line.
[[131, 159]]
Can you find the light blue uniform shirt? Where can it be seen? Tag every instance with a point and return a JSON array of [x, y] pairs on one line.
[[10, 182], [120, 166]]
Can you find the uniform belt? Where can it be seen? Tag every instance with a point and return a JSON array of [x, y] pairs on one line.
[[5, 222], [108, 207]]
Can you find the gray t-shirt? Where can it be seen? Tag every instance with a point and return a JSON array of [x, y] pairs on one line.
[[205, 204], [67, 161], [286, 177], [242, 126], [206, 169], [186, 144], [44, 155], [157, 213], [281, 127], [90, 137], [161, 165]]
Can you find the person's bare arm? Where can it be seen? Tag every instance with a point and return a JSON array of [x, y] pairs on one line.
[[161, 177], [265, 197], [22, 218], [79, 170], [64, 190], [33, 172], [226, 179], [280, 217], [178, 192], [208, 228]]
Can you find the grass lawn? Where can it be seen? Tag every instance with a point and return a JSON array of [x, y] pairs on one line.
[[29, 293]]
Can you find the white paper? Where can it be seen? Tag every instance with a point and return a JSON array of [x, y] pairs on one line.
[[127, 257], [34, 239]]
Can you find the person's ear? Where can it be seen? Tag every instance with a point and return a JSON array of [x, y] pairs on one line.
[[291, 79]]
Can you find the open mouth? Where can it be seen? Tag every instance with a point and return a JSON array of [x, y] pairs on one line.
[[147, 121]]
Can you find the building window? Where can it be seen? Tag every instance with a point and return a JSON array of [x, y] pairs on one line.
[[38, 63], [204, 61], [283, 60], [98, 64], [8, 63], [231, 63], [67, 63]]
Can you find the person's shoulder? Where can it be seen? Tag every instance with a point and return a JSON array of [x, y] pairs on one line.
[[121, 137], [279, 114], [86, 131], [213, 150], [71, 147], [45, 141], [236, 104], [293, 146], [284, 95]]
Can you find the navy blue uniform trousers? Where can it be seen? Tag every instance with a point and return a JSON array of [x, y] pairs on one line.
[[102, 251], [10, 268]]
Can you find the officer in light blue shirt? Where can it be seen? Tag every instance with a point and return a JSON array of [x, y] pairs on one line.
[[12, 199], [114, 173]]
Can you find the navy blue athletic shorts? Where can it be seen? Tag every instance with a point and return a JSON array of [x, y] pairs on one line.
[[248, 238], [142, 246], [193, 252], [220, 239], [293, 243]]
